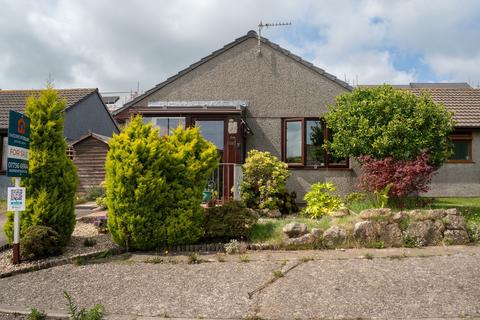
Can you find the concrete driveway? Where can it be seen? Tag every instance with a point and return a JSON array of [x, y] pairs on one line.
[[383, 284]]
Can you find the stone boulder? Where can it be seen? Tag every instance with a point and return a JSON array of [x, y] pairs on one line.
[[455, 222], [365, 231], [456, 237], [424, 233], [295, 229], [380, 214], [342, 212], [391, 235], [369, 232], [305, 239], [421, 215], [317, 233], [272, 213], [334, 236]]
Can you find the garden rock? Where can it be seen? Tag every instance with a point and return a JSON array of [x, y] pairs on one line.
[[272, 213], [305, 239], [456, 237], [399, 216], [420, 215], [455, 222], [295, 229], [334, 236], [365, 231], [392, 235], [452, 211], [424, 233], [342, 212], [376, 214], [316, 232]]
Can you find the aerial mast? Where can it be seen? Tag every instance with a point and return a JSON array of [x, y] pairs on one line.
[[261, 26]]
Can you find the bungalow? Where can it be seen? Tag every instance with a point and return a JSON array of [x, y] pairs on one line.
[[87, 120], [254, 94]]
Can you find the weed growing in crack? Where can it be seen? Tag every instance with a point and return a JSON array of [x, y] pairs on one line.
[[277, 274], [244, 258]]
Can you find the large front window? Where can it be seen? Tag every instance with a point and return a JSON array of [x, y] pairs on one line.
[[303, 141], [166, 124]]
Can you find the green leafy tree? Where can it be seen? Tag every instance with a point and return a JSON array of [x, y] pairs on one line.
[[154, 185], [384, 122], [53, 179], [264, 180]]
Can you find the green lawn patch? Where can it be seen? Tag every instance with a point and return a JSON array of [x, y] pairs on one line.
[[268, 230]]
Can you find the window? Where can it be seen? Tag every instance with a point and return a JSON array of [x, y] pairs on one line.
[[303, 141], [165, 124], [4, 149], [462, 147]]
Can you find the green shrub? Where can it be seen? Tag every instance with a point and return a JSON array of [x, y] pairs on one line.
[[321, 201], [94, 192], [232, 220], [287, 203], [53, 179], [95, 313], [155, 184], [40, 242], [354, 197], [101, 202], [264, 180]]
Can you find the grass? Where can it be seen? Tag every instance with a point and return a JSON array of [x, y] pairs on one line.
[[244, 258], [270, 230]]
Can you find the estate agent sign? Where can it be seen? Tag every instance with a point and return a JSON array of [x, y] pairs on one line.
[[17, 166], [18, 144]]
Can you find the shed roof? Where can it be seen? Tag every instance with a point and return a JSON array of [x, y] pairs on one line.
[[94, 135], [16, 100]]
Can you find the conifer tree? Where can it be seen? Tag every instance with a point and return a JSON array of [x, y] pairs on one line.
[[53, 179]]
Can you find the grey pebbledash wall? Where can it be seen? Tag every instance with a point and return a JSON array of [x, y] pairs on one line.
[[275, 86], [459, 179]]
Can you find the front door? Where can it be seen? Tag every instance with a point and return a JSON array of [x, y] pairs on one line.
[[219, 132]]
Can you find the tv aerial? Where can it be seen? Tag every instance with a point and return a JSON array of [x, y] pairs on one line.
[[266, 25]]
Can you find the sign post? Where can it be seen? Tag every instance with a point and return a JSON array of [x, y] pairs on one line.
[[17, 166]]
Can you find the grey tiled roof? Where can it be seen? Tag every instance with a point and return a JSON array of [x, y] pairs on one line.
[[249, 35], [464, 103], [16, 99]]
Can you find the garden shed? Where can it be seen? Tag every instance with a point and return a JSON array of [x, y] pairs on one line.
[[89, 153]]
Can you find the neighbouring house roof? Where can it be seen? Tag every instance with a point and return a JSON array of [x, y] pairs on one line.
[[94, 135], [16, 99], [458, 97], [250, 35], [464, 103]]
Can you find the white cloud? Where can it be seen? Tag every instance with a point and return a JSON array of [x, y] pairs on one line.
[[112, 44]]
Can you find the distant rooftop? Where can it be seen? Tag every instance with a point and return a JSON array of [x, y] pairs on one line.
[[425, 85], [110, 100]]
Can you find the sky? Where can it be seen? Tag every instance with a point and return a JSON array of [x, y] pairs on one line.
[[119, 45]]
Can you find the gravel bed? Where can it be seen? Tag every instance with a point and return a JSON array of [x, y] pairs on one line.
[[74, 248]]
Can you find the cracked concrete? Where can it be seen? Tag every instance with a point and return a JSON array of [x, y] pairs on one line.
[[437, 282]]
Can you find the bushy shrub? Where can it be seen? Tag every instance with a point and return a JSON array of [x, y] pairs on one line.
[[155, 184], [405, 177], [94, 192], [40, 242], [384, 122], [53, 179], [101, 202], [321, 200], [287, 203], [232, 220], [264, 180]]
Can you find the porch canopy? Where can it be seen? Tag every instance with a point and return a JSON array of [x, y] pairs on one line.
[[194, 107]]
